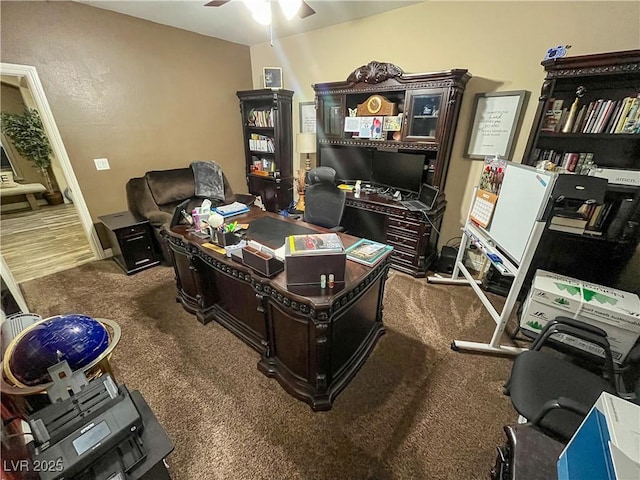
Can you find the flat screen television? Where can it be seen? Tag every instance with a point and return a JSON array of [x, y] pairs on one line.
[[350, 163], [402, 171]]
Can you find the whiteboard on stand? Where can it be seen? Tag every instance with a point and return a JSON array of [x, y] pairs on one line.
[[523, 197]]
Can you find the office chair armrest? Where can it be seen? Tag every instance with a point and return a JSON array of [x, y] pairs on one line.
[[577, 329], [574, 330], [579, 324], [563, 403]]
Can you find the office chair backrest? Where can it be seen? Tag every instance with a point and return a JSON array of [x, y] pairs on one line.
[[324, 201]]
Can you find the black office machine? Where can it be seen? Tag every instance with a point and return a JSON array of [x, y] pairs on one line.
[[94, 434]]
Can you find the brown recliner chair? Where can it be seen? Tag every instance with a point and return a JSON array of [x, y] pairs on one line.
[[156, 195]]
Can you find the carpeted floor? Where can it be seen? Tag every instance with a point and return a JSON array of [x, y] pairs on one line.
[[416, 410]]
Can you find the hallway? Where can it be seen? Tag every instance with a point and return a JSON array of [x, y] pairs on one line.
[[38, 243]]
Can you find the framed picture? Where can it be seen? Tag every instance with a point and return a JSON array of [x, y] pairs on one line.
[[495, 124], [272, 77], [307, 117]]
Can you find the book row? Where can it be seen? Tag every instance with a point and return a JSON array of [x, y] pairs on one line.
[[598, 116], [263, 165], [609, 217], [577, 162], [260, 118], [261, 143]]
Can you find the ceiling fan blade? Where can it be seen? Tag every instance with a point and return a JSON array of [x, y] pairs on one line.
[[305, 10], [216, 3]]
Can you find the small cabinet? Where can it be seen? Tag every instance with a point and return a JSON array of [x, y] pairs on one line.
[[267, 134], [131, 241], [425, 107], [332, 115]]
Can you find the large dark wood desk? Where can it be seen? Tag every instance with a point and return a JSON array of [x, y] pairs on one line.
[[383, 219], [312, 341]]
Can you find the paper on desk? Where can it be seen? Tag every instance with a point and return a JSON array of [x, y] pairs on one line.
[[279, 253]]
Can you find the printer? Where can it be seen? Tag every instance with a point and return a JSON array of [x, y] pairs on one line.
[[93, 434]]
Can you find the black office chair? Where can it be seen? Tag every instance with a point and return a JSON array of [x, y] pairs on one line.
[[553, 392], [324, 201]]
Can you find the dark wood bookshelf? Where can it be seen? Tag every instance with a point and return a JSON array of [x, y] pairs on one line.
[[275, 190], [602, 258]]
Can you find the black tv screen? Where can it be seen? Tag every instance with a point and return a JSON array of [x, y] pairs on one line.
[[350, 163], [402, 171]]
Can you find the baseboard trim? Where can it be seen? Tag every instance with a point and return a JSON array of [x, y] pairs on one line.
[[15, 206]]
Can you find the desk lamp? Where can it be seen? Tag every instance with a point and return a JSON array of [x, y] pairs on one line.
[[305, 143]]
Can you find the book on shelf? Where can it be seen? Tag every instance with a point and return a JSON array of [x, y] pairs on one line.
[[553, 115], [567, 229], [367, 251], [633, 117], [569, 221], [595, 109], [315, 244], [578, 121], [628, 101], [260, 118]]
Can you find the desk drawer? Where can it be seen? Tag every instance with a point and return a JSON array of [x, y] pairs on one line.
[[404, 224], [402, 241], [401, 233], [398, 256], [132, 230]]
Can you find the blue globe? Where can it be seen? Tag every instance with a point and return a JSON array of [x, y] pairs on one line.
[[78, 339]]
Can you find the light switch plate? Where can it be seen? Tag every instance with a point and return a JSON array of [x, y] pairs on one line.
[[101, 163]]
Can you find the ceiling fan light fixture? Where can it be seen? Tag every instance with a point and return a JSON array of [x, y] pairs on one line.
[[260, 10], [290, 7]]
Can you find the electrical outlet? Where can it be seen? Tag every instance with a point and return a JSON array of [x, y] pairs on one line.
[[101, 163]]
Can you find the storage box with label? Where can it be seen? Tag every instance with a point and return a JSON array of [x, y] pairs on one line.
[[606, 445], [311, 258], [614, 311]]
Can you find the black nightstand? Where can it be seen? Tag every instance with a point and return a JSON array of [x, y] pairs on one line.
[[131, 241]]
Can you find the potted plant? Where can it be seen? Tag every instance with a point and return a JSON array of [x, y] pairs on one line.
[[28, 136]]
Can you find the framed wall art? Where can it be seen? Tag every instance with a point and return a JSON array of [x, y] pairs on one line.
[[307, 117], [495, 124], [272, 77]]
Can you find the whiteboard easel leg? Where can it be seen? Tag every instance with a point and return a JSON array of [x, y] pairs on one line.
[[486, 348]]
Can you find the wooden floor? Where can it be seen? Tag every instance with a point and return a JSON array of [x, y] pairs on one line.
[[37, 243]]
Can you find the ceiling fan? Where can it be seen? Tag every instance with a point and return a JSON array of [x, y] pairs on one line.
[[289, 7]]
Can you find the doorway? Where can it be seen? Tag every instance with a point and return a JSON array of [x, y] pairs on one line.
[[72, 216]]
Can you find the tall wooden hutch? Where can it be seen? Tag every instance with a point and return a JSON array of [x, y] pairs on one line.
[[428, 105]]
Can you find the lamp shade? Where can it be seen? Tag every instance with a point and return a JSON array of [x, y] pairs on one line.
[[306, 143]]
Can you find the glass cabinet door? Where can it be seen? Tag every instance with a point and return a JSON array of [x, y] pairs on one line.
[[331, 113], [422, 116]]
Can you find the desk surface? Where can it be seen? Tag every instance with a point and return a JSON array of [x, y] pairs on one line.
[[355, 273]]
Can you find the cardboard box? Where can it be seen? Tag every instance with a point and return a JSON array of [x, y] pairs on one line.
[[608, 305], [606, 445], [614, 311]]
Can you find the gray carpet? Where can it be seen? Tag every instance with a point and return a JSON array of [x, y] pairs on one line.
[[416, 410]]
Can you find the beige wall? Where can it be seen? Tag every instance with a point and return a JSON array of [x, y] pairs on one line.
[[143, 95], [500, 43]]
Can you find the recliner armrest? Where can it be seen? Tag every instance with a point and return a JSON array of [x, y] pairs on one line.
[[159, 218]]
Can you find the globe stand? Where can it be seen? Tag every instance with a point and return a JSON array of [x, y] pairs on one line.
[[100, 365]]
